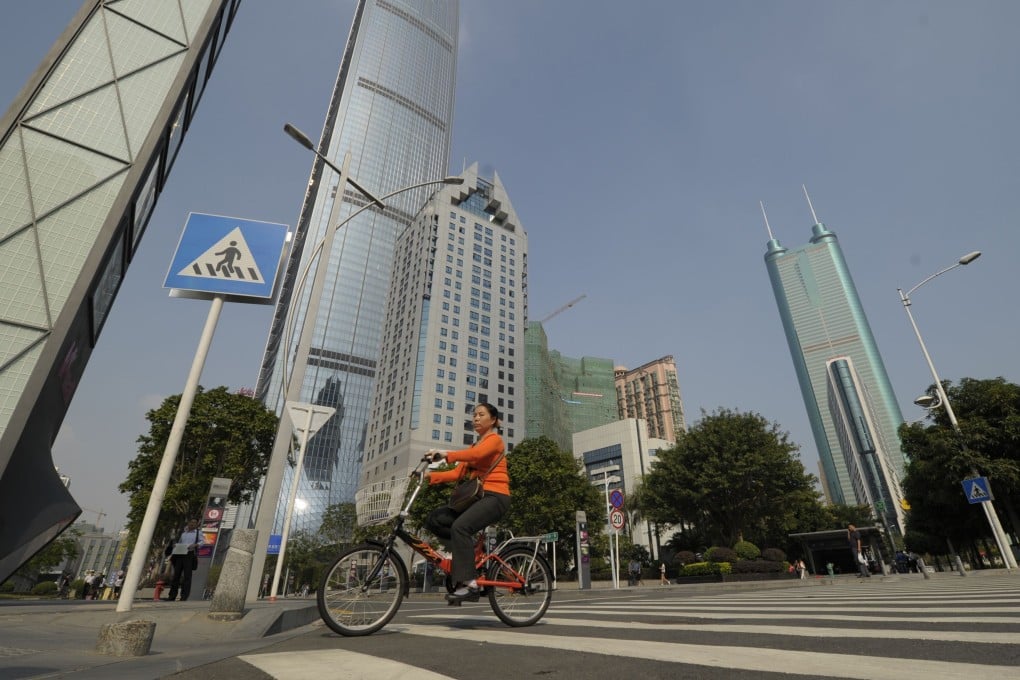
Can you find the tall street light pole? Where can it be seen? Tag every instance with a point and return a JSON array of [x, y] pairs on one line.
[[993, 519], [270, 493]]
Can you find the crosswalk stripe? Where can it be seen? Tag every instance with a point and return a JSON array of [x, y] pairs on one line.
[[725, 656], [769, 614], [800, 631], [819, 607], [326, 662]]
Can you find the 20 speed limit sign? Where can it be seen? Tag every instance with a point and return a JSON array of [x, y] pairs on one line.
[[616, 519]]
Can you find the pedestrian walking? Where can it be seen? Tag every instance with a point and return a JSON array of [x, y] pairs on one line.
[[662, 574]]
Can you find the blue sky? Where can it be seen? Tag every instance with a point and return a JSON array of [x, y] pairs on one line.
[[635, 140]]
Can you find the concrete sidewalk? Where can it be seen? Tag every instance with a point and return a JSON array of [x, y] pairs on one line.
[[57, 638]]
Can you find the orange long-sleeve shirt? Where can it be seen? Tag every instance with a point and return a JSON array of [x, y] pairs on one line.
[[475, 461]]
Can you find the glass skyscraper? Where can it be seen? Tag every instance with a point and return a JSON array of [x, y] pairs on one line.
[[392, 109], [850, 403]]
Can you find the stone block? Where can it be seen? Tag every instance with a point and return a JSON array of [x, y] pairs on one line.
[[127, 638], [232, 587]]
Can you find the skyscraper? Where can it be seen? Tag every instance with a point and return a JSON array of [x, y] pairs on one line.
[[850, 402], [454, 330], [652, 392], [85, 150], [392, 109]]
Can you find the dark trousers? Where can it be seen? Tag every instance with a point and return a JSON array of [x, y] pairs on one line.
[[181, 565], [862, 567], [457, 530]]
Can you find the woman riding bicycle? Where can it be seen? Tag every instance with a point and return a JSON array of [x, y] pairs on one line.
[[457, 529]]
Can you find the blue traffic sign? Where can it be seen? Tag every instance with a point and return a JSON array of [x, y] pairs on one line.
[[273, 548], [616, 498], [977, 490], [228, 256]]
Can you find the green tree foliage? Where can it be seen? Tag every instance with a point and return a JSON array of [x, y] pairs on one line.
[[547, 489], [340, 526], [988, 412], [734, 476], [52, 557], [227, 435]]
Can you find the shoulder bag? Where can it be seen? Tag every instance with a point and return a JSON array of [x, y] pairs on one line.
[[470, 491]]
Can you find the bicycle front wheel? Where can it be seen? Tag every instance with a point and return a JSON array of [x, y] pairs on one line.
[[526, 604], [362, 590]]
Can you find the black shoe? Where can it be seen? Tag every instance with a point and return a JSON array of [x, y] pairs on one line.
[[470, 596]]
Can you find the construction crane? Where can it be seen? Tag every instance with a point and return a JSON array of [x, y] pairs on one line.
[[99, 515], [565, 307]]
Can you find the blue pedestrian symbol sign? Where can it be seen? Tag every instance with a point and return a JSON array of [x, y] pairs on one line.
[[227, 256], [976, 490]]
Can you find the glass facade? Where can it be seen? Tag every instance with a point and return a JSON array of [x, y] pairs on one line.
[[85, 151], [392, 109], [823, 321]]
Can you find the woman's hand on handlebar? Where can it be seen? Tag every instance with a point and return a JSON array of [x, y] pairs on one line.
[[435, 455]]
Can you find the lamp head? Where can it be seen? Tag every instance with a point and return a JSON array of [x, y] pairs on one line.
[[300, 137], [928, 401], [970, 257], [453, 180]]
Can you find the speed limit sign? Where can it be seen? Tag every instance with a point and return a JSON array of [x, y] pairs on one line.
[[616, 519]]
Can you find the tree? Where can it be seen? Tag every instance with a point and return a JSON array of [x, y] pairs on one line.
[[53, 556], [340, 526], [733, 476], [988, 414], [227, 435]]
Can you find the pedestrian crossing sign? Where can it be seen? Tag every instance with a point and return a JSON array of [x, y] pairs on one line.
[[976, 490], [228, 256]]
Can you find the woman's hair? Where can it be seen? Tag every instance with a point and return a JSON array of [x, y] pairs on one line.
[[494, 412]]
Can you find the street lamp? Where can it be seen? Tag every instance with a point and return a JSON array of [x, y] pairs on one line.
[[291, 387], [990, 514]]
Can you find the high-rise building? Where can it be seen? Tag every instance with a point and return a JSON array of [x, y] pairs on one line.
[[565, 395], [850, 403], [453, 335], [392, 109], [617, 456], [85, 150], [652, 392]]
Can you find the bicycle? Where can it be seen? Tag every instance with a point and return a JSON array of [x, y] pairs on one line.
[[364, 587]]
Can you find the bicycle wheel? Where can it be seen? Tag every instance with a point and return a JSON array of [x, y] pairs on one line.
[[521, 606], [352, 602]]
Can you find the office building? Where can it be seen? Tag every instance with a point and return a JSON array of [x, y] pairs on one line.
[[617, 456], [392, 109], [652, 393], [85, 151], [453, 335], [850, 403]]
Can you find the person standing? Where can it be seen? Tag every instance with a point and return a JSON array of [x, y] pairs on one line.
[[801, 569], [853, 537], [662, 574], [183, 560], [457, 529]]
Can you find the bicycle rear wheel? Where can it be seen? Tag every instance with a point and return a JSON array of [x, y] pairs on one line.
[[362, 590], [522, 606]]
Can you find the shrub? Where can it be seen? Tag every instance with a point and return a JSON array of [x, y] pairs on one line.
[[746, 550], [684, 557], [705, 569], [758, 567], [44, 588], [7, 587], [773, 555], [720, 554]]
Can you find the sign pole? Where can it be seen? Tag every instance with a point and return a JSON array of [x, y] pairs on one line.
[[144, 539]]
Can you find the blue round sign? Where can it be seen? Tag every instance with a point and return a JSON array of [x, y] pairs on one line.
[[616, 498]]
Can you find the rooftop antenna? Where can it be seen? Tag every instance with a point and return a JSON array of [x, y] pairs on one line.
[[813, 215], [767, 227]]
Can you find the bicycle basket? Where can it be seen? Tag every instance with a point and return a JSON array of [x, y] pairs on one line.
[[380, 502]]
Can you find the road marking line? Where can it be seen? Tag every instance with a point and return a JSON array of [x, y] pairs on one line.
[[335, 663], [699, 614]]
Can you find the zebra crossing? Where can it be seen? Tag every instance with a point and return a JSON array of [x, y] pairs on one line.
[[898, 628]]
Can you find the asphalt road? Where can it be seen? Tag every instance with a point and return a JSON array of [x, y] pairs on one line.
[[896, 627]]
